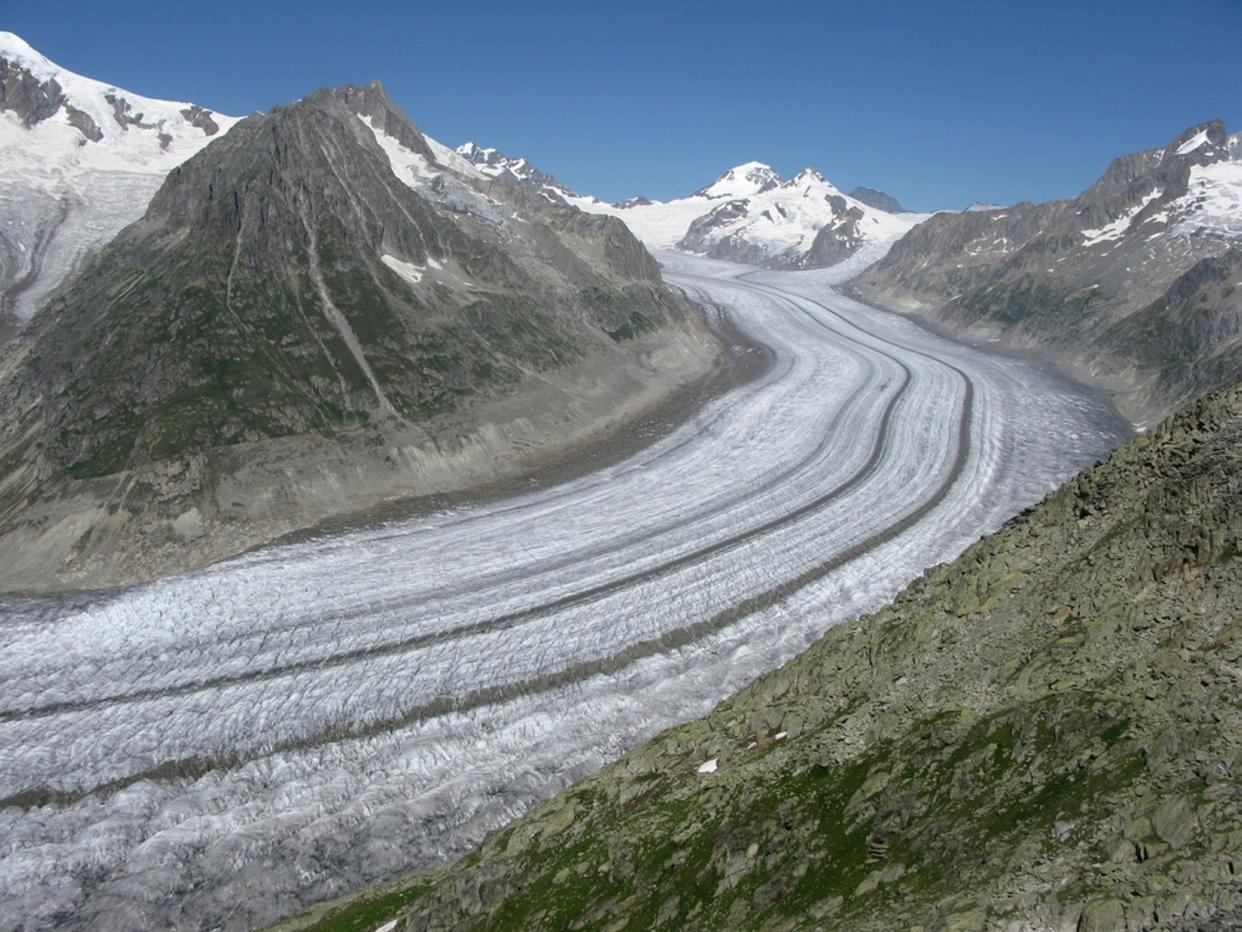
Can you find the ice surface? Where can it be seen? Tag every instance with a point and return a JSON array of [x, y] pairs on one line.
[[219, 748], [1213, 203]]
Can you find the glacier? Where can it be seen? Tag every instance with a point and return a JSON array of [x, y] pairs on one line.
[[220, 748]]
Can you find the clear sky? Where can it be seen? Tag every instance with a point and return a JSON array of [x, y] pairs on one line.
[[937, 102]]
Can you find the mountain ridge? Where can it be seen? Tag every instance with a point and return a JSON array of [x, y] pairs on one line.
[[1130, 285], [748, 214]]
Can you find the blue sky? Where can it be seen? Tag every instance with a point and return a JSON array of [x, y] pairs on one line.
[[938, 102]]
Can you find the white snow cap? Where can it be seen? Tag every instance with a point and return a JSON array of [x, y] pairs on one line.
[[475, 152], [106, 183], [132, 143], [743, 180]]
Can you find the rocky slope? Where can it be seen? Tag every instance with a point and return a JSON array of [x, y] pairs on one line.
[[1133, 285], [873, 198], [1044, 734], [749, 214], [79, 160], [322, 310]]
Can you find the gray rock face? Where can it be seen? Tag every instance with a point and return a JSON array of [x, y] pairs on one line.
[[873, 198], [32, 100], [837, 240], [1123, 285], [35, 101], [316, 273], [201, 118]]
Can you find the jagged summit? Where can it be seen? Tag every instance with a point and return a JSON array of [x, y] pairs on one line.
[[748, 214], [808, 175], [494, 163]]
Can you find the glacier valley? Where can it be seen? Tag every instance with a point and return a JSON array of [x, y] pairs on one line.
[[220, 748]]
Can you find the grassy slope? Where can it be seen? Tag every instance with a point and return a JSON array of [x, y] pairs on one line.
[[1045, 733]]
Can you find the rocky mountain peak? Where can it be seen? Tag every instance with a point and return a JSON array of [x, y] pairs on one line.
[[879, 200], [495, 163], [1201, 144], [348, 243], [1141, 184], [371, 101], [472, 152], [1130, 285]]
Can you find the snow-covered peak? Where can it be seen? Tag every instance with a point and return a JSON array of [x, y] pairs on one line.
[[490, 161], [808, 175], [16, 49], [495, 163], [79, 160], [55, 108], [743, 180], [749, 212]]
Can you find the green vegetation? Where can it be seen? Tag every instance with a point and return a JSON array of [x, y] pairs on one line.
[[634, 325]]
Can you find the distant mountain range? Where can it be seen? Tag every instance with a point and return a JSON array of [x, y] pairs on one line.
[[212, 282], [749, 214], [1134, 285]]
